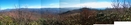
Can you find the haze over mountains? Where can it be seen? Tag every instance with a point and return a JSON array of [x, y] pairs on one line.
[[43, 10]]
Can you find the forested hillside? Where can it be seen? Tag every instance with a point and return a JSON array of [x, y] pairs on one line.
[[83, 16]]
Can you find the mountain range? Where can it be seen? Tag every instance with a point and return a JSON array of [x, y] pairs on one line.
[[38, 12]]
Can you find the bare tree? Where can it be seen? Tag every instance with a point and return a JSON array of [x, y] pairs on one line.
[[26, 6], [15, 6], [129, 3], [124, 5], [116, 4]]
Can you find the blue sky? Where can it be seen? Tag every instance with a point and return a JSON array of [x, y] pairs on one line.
[[50, 3], [9, 4], [4, 4]]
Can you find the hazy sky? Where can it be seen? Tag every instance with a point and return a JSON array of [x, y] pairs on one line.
[[5, 4]]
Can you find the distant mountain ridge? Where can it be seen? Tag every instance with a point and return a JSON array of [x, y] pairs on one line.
[[46, 10], [41, 10]]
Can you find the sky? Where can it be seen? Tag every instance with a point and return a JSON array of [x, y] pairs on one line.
[[10, 4]]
